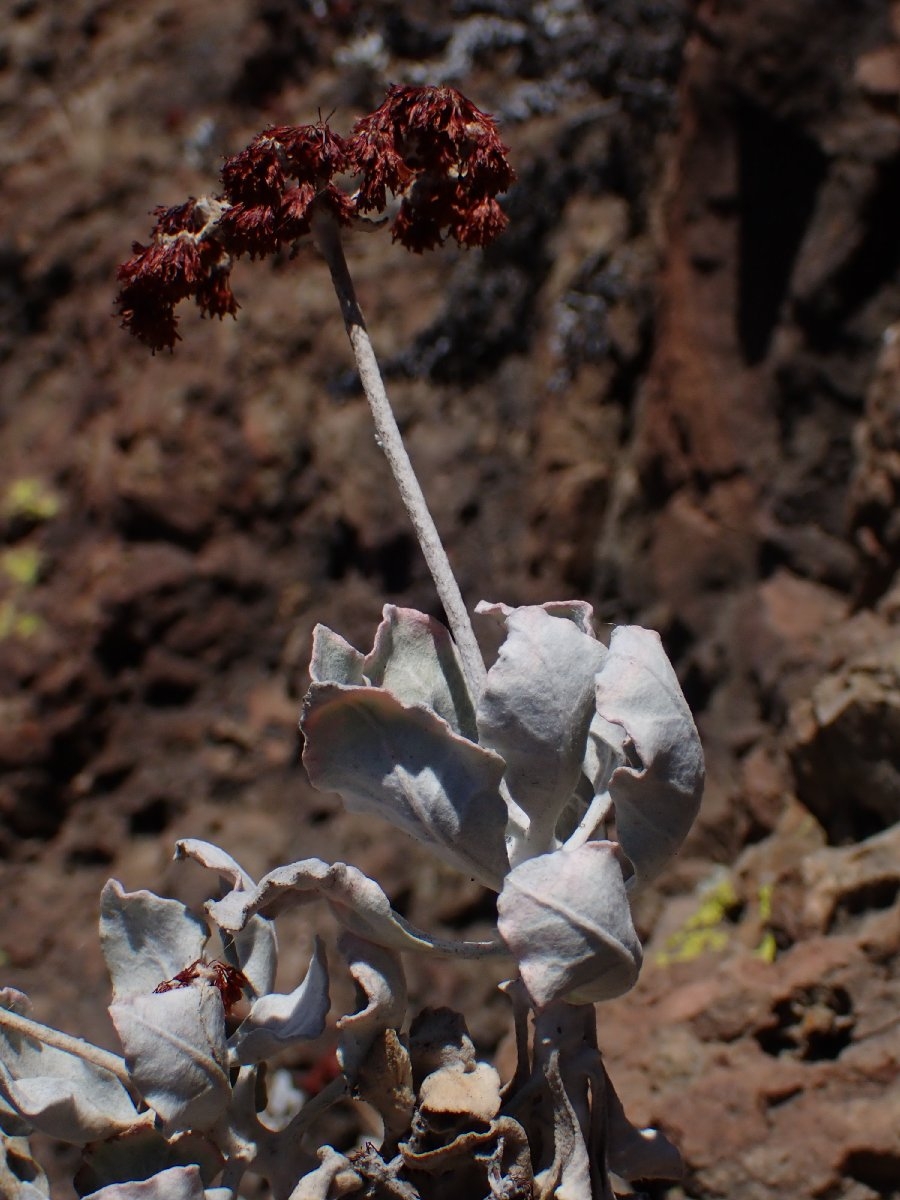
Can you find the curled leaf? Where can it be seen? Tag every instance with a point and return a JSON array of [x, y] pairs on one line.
[[253, 949], [378, 975], [277, 1021], [208, 855], [334, 1176], [406, 765], [656, 801], [415, 659], [175, 1183], [60, 1094], [565, 917], [146, 939], [356, 901], [537, 705], [175, 1050]]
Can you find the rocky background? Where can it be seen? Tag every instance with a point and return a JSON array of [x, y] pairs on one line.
[[672, 389]]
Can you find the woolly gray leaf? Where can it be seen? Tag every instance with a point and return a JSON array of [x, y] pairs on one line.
[[415, 659], [175, 1050], [565, 918], [175, 1183], [537, 705], [406, 765], [59, 1094], [357, 902], [146, 939], [277, 1021], [378, 975], [255, 948], [334, 660], [657, 801]]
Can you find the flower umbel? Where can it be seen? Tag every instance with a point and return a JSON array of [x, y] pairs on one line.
[[430, 146]]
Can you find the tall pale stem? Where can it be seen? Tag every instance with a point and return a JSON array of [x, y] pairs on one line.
[[328, 240]]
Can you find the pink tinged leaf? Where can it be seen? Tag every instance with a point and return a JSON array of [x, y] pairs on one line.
[[174, 1045], [537, 705], [334, 660], [255, 950], [146, 939], [175, 1183], [565, 918], [278, 1021], [357, 902], [656, 801], [406, 765]]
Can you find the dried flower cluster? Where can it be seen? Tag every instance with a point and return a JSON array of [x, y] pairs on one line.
[[428, 146]]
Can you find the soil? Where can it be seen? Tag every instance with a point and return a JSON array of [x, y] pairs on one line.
[[672, 389]]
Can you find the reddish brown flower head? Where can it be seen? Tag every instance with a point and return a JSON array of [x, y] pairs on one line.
[[312, 153], [256, 175], [229, 981], [430, 146], [444, 156]]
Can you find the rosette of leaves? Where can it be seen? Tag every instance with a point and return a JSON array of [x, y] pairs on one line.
[[568, 782], [179, 1108]]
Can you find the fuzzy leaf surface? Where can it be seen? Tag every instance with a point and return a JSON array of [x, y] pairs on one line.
[[254, 949], [277, 1020], [415, 659], [537, 705], [57, 1093], [357, 902], [175, 1183], [175, 1050], [406, 765], [565, 918], [378, 975], [657, 801], [146, 939]]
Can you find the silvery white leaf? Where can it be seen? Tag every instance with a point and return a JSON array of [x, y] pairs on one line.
[[276, 1021], [334, 660], [146, 939], [656, 802], [319, 1184], [356, 901], [254, 949], [415, 659], [536, 707], [378, 975], [208, 855], [175, 1049], [579, 612], [565, 917], [407, 766], [79, 1108], [57, 1093], [175, 1183]]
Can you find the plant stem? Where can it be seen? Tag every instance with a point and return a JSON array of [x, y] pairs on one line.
[[103, 1059], [328, 240]]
